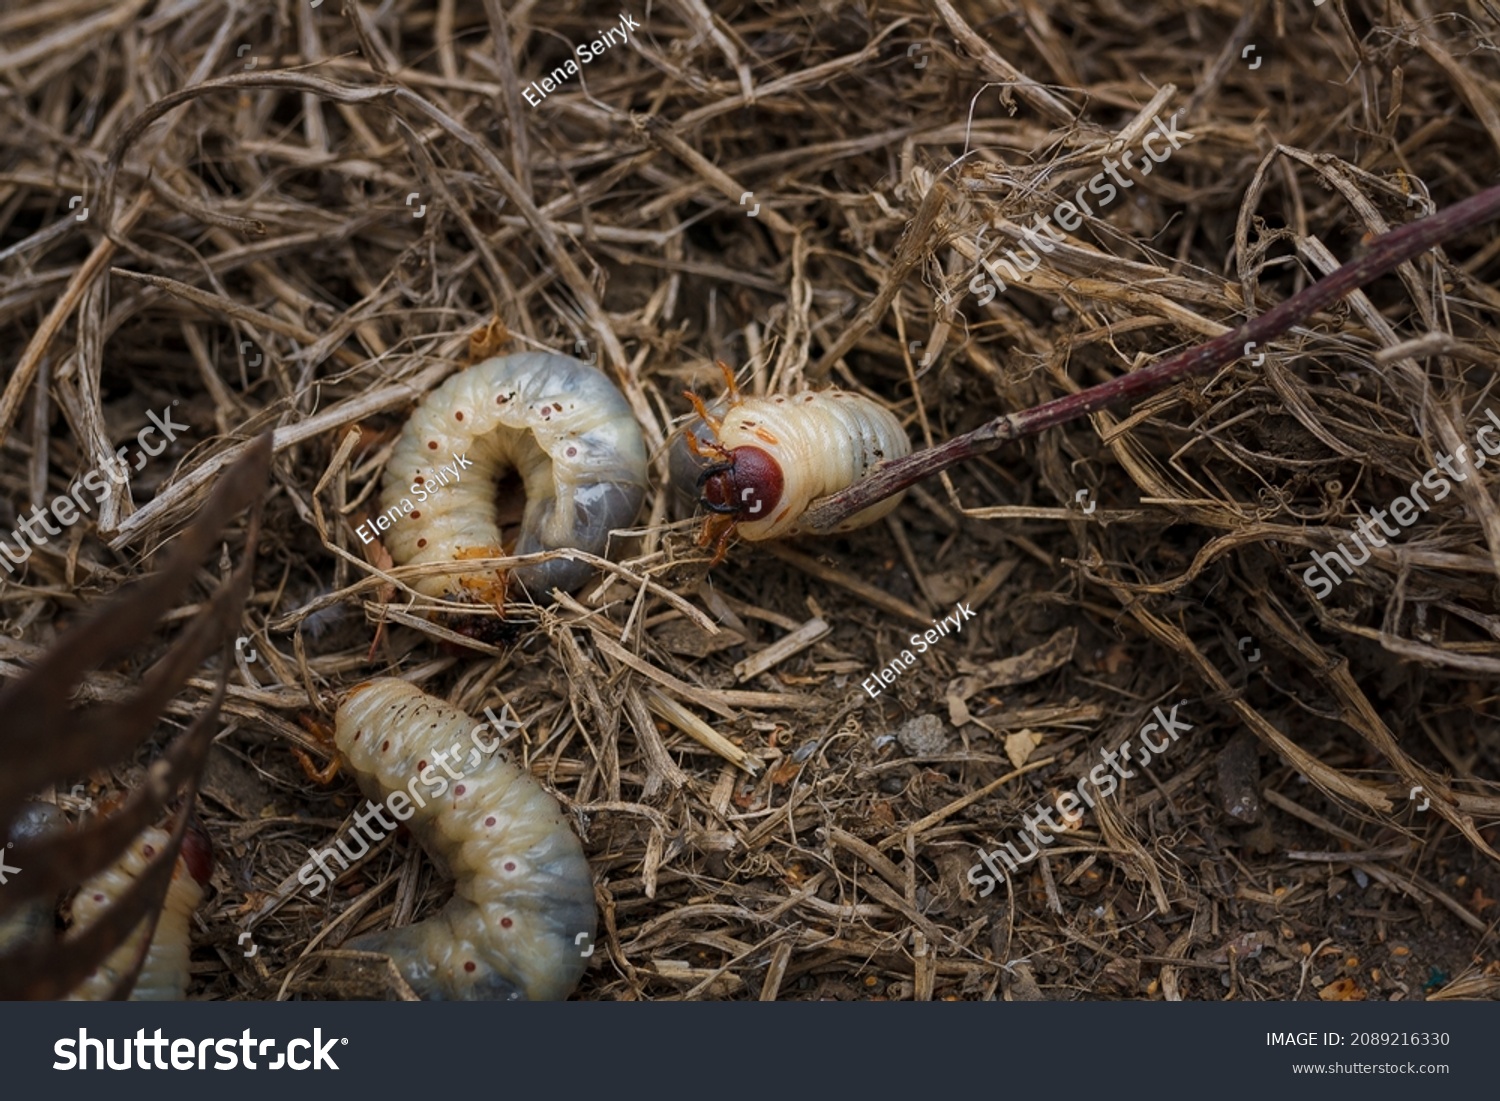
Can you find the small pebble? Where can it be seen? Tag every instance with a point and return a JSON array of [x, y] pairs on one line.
[[923, 735]]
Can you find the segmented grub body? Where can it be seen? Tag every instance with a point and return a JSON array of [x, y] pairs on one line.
[[558, 422], [784, 452], [164, 975], [522, 913]]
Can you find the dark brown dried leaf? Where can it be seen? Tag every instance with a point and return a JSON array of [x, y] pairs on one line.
[[48, 743]]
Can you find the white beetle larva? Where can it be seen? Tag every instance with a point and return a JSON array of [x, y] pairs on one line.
[[561, 424], [769, 458], [164, 975], [524, 897]]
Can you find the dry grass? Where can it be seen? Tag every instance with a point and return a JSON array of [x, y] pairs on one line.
[[250, 253]]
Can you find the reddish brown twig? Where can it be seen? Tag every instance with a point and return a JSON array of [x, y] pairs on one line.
[[1385, 253]]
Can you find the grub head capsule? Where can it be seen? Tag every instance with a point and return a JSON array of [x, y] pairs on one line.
[[747, 484]]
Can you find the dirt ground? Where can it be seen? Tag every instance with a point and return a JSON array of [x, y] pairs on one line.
[[297, 214]]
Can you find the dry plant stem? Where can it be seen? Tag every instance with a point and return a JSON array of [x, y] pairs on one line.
[[1035, 95], [545, 230], [36, 349], [907, 257], [1384, 254]]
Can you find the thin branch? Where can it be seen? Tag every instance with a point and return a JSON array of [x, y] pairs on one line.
[[1384, 254]]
